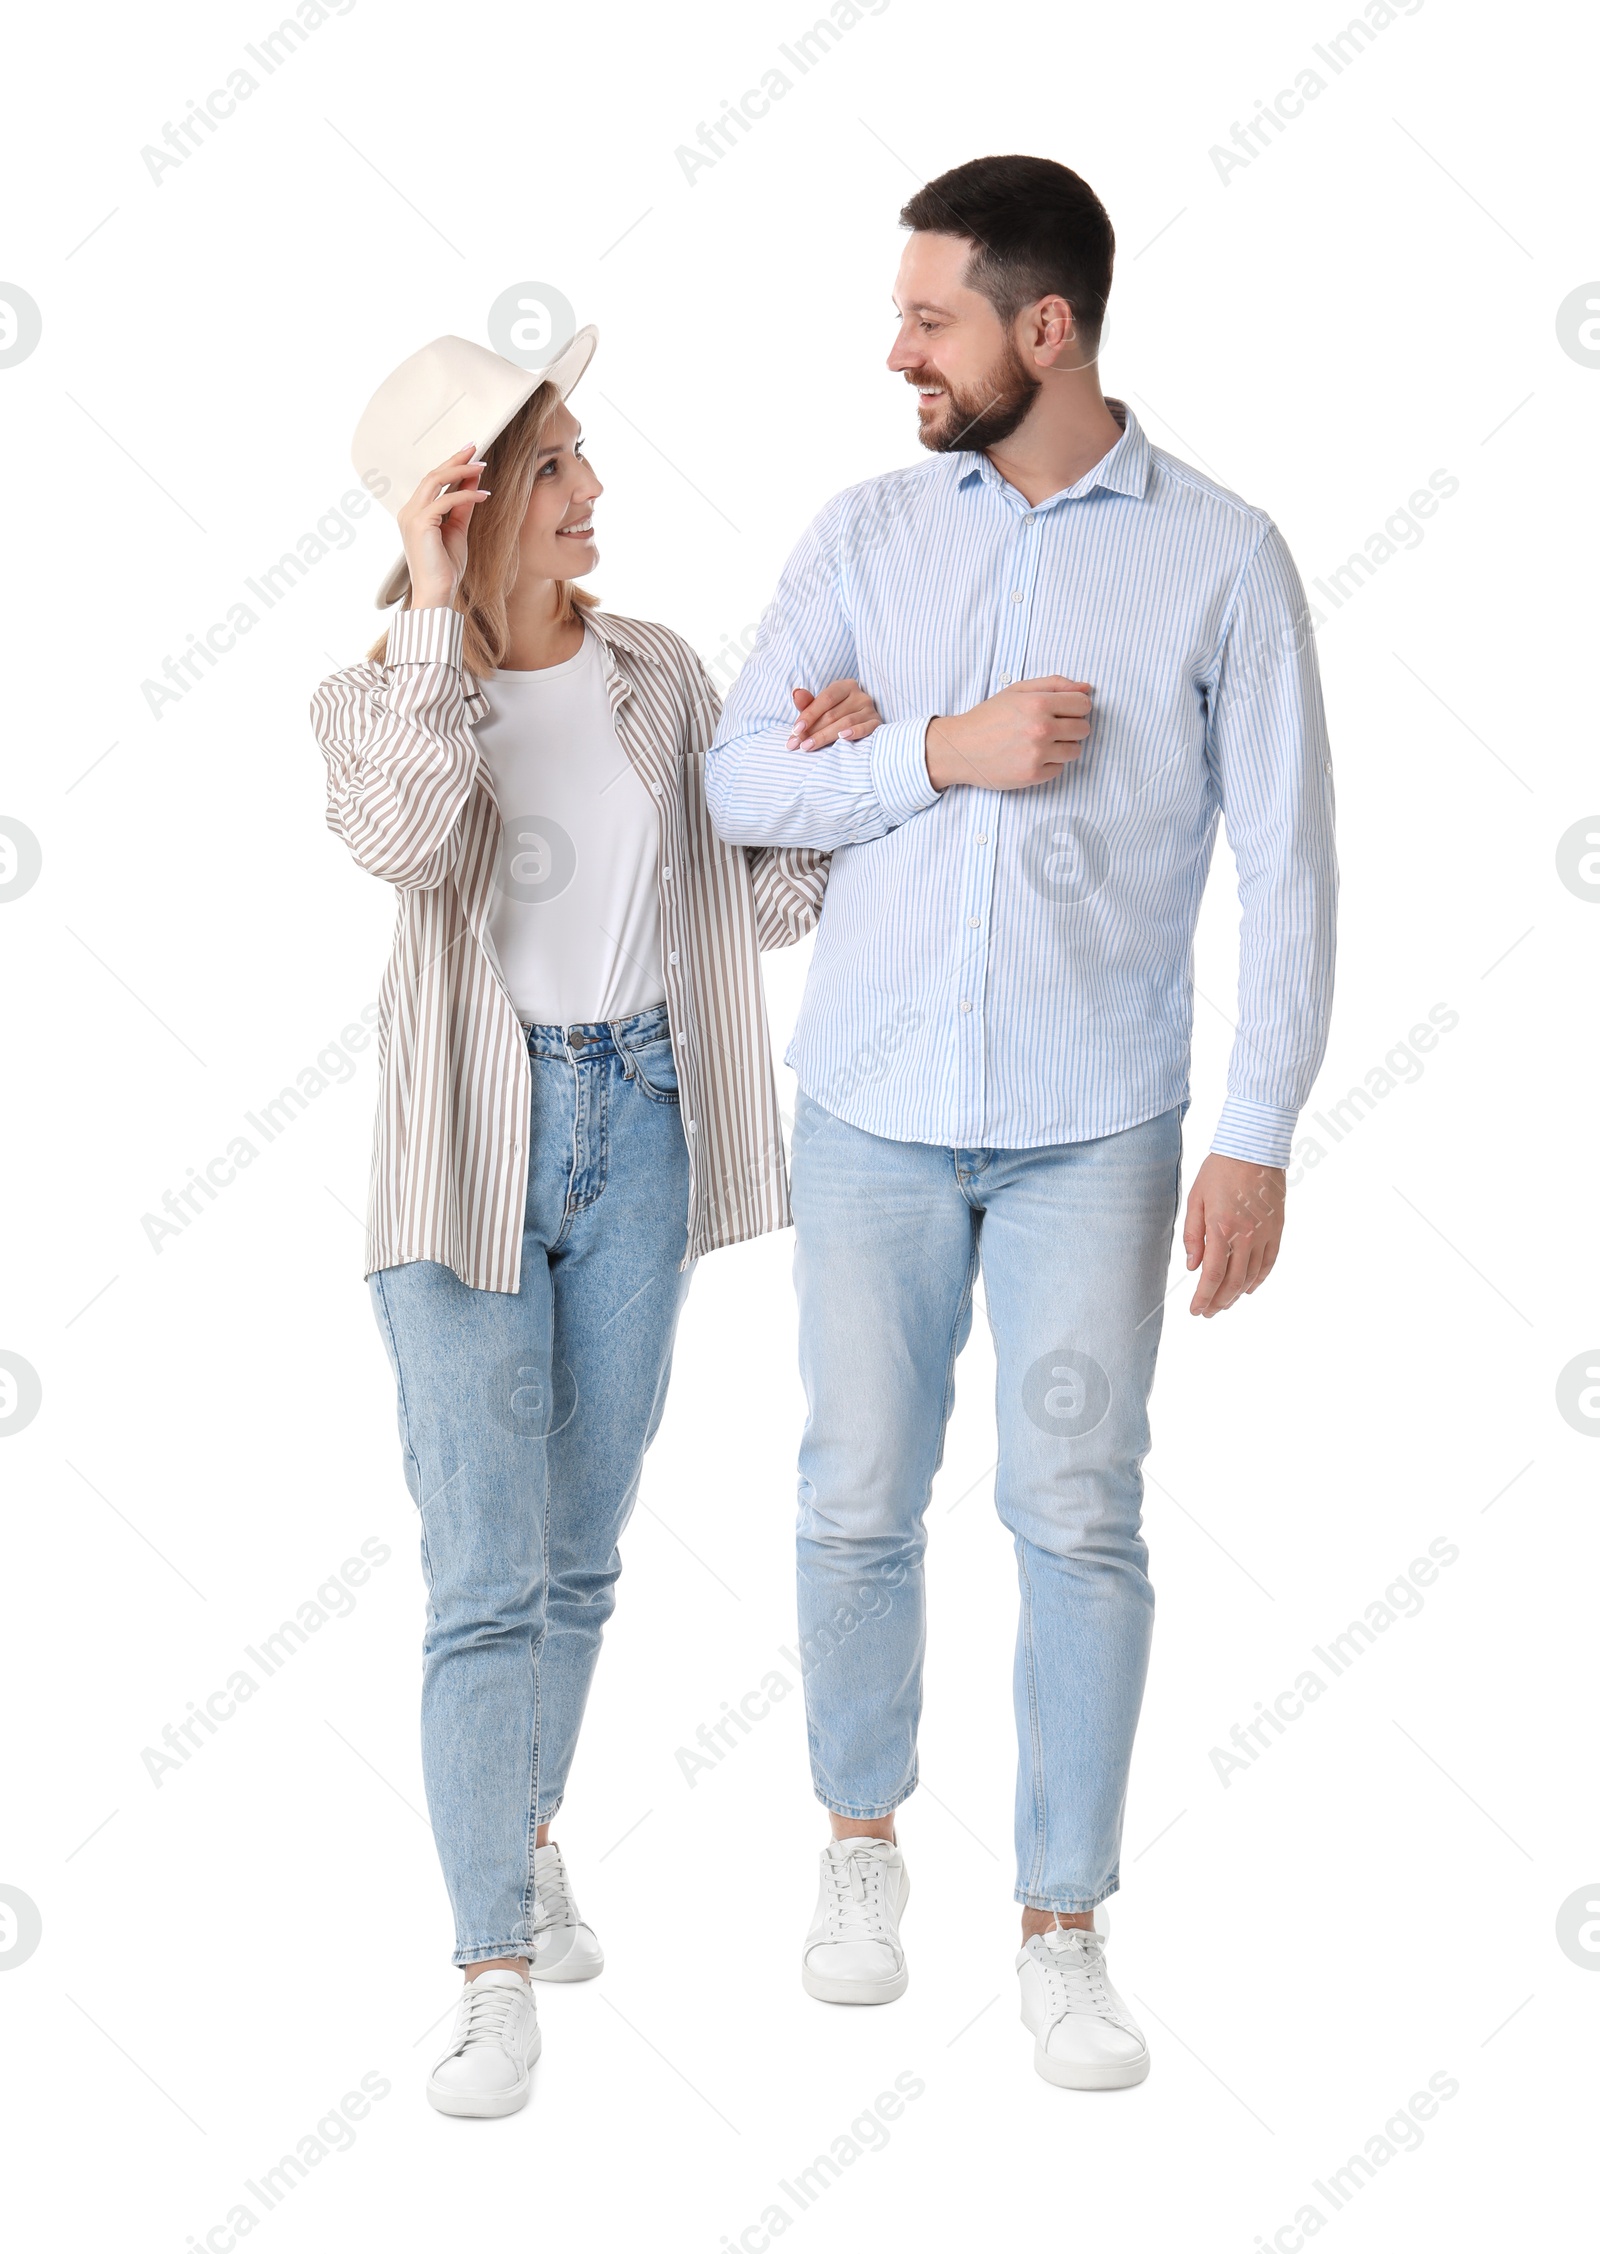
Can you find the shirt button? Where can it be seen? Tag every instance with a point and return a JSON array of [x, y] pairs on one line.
[[1005, 680], [983, 837], [691, 1126], [656, 787], [1016, 594], [973, 922], [966, 1005], [665, 875], [1327, 766], [672, 958]]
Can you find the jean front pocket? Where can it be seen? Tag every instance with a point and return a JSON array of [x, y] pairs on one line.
[[655, 1069]]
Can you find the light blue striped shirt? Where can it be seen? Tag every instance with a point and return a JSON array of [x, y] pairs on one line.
[[1005, 969]]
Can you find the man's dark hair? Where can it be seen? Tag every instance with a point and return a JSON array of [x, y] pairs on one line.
[[1036, 229]]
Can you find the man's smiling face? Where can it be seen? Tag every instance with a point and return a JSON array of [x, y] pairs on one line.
[[973, 387]]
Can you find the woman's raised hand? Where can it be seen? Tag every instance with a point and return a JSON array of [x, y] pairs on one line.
[[433, 525], [843, 709]]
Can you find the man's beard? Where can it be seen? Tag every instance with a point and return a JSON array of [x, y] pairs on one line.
[[970, 421]]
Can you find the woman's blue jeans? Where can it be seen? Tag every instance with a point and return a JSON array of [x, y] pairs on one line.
[[524, 1419]]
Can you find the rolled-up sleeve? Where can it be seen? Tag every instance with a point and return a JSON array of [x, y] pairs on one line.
[[760, 792], [1267, 749]]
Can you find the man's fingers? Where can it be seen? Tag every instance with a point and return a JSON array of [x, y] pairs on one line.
[[1269, 1260], [1042, 726], [1232, 1263], [1194, 1231], [1238, 1259], [1213, 1268], [1059, 704], [1225, 1290]]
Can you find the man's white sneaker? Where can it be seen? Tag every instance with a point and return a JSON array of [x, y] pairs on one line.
[[484, 2073], [852, 1953], [564, 1948], [1084, 2036]]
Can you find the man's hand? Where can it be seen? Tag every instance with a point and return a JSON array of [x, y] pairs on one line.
[[1232, 1229], [1024, 735], [843, 711]]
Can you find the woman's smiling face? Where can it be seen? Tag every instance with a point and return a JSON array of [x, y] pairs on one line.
[[557, 539]]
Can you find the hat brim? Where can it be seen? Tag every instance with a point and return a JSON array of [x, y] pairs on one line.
[[563, 371]]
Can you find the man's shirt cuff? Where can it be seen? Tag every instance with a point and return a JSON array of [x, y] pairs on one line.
[[900, 769], [1262, 1133]]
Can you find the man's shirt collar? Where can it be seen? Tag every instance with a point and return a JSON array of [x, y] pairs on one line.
[[1124, 469]]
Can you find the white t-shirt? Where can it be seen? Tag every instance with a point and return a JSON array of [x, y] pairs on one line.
[[576, 921]]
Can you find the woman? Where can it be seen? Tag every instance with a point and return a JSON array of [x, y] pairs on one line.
[[576, 1101]]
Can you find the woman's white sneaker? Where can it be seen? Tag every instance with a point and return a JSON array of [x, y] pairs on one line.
[[484, 2073], [1084, 2037], [852, 1953], [564, 1948]]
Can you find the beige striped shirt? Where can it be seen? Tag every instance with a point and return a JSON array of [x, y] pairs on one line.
[[410, 793]]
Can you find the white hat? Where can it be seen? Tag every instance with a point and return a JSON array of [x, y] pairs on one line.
[[451, 394]]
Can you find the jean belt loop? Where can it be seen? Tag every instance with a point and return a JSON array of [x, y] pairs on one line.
[[612, 1027]]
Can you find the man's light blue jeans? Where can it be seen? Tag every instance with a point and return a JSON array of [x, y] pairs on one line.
[[524, 1418], [1073, 1242]]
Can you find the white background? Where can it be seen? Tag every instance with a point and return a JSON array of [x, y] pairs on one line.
[[1371, 299]]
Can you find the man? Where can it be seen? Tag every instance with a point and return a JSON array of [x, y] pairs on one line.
[[1084, 651]]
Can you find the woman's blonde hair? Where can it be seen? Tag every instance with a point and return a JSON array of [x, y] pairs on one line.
[[492, 542]]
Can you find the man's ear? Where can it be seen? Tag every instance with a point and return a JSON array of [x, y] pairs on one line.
[[1052, 328]]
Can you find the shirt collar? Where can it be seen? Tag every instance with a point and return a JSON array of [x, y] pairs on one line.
[[1125, 469]]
